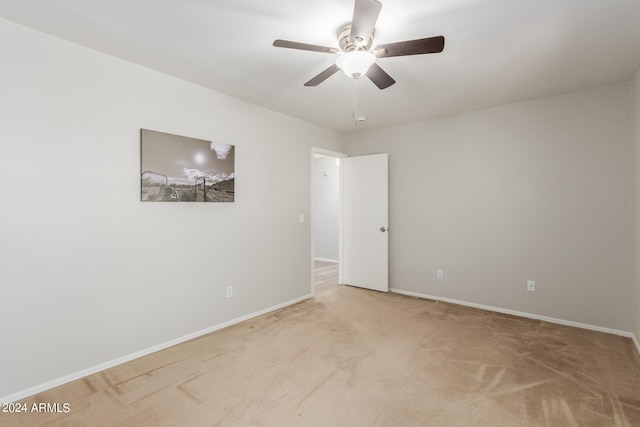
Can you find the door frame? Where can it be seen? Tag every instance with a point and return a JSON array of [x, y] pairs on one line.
[[316, 151]]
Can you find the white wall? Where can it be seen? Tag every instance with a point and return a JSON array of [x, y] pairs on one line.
[[88, 272], [540, 190], [326, 205], [636, 198]]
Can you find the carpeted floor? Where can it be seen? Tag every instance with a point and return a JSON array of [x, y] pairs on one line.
[[352, 357]]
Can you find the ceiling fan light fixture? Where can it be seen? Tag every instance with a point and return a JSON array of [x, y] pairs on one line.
[[356, 63]]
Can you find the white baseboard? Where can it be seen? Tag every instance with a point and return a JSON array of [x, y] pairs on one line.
[[326, 260], [127, 358], [523, 314], [635, 341]]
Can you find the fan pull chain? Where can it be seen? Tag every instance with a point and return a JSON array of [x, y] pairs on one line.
[[355, 101]]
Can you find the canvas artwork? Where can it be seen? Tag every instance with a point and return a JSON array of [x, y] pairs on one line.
[[181, 169]]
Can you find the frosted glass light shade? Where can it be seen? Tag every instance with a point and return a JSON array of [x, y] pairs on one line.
[[356, 63]]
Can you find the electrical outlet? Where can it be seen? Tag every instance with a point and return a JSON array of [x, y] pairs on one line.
[[440, 274], [229, 291], [531, 285]]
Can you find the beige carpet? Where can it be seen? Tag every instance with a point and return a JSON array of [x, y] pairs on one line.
[[351, 357]]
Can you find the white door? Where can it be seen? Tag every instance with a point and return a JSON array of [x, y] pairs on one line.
[[365, 236]]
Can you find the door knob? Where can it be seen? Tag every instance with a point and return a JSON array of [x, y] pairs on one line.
[[383, 229]]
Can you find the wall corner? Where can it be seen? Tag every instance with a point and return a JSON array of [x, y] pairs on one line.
[[636, 206]]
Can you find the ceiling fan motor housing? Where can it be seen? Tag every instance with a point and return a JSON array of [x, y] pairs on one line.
[[345, 43]]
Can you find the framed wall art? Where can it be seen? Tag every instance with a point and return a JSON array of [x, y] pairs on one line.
[[181, 169]]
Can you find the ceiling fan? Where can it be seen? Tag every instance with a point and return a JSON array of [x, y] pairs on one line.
[[355, 39]]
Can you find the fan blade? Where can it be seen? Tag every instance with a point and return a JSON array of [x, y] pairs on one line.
[[365, 15], [304, 46], [323, 76], [410, 47], [379, 77]]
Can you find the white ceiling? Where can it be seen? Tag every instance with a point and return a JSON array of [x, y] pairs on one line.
[[496, 51]]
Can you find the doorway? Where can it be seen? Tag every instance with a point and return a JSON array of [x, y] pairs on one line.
[[350, 217], [326, 205]]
